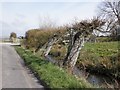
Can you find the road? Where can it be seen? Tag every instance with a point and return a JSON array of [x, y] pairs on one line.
[[14, 73]]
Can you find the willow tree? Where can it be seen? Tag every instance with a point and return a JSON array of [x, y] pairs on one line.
[[80, 32], [47, 38]]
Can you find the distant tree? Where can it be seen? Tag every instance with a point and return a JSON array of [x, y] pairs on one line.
[[13, 36]]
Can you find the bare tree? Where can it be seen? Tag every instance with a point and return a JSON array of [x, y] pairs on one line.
[[110, 10]]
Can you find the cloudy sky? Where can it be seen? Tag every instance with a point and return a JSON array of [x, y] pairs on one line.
[[21, 16]]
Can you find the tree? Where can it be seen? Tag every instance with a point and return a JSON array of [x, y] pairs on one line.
[[79, 33], [13, 36], [49, 34], [52, 36], [110, 10]]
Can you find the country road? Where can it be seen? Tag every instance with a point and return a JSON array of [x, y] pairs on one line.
[[14, 73]]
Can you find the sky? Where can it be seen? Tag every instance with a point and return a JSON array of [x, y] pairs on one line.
[[21, 16]]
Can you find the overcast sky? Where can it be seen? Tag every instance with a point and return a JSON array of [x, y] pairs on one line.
[[21, 16]]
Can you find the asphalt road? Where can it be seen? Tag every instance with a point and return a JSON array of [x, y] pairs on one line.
[[14, 73]]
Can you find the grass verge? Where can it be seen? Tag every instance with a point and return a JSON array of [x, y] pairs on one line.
[[52, 75]]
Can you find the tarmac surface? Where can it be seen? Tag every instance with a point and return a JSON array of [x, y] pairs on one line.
[[14, 73]]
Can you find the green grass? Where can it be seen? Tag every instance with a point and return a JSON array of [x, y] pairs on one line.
[[52, 75], [102, 48]]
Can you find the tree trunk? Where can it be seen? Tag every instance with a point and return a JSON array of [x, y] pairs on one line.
[[118, 17], [45, 49], [73, 54], [49, 46], [71, 42]]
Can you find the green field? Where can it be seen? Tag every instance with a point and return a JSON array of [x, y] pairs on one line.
[[102, 49]]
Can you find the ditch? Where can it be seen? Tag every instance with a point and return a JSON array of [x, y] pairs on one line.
[[96, 80]]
